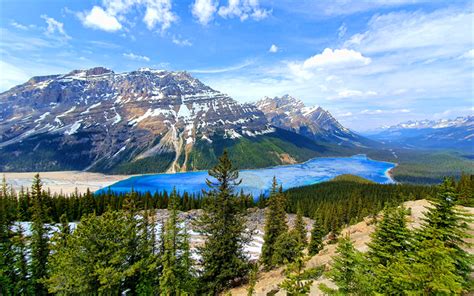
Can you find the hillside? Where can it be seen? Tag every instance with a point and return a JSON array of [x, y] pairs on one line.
[[360, 235]]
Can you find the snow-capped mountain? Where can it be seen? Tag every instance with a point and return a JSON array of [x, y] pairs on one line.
[[455, 133], [315, 123], [139, 121]]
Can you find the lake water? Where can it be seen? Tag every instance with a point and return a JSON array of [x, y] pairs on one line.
[[257, 181]]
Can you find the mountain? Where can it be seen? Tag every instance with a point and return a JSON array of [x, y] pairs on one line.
[[315, 123], [455, 133], [135, 122]]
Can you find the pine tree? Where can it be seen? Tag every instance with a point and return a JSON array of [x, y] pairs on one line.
[[390, 238], [22, 283], [348, 271], [287, 248], [430, 270], [300, 228], [223, 225], [444, 222], [176, 277], [317, 234], [39, 238], [275, 224], [294, 284]]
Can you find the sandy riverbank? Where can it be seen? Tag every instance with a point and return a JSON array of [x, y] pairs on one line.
[[65, 182]]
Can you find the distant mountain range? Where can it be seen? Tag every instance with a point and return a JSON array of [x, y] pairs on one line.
[[315, 123], [150, 121], [455, 133]]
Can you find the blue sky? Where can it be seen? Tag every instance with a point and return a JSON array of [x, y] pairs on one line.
[[370, 63]]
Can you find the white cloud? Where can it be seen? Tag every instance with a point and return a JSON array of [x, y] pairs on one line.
[[136, 57], [159, 12], [336, 58], [273, 48], [380, 111], [243, 9], [18, 25], [55, 28], [181, 42], [468, 54], [112, 16], [446, 30], [204, 10], [98, 18]]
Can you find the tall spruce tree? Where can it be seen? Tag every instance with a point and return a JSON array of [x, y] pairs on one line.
[[300, 228], [39, 238], [317, 233], [275, 224], [223, 224], [348, 271], [390, 239], [176, 277], [444, 222]]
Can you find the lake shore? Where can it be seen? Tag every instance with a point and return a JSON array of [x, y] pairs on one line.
[[65, 182]]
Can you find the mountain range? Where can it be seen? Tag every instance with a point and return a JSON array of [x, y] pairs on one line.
[[150, 121], [455, 133]]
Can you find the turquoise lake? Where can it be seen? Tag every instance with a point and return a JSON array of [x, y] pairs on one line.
[[258, 181]]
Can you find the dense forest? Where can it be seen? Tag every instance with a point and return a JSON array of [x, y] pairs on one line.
[[119, 247]]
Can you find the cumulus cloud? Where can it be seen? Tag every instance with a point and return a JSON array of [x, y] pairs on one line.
[[328, 59], [243, 9], [18, 25], [112, 15], [136, 57], [203, 10], [98, 18], [55, 28], [273, 48]]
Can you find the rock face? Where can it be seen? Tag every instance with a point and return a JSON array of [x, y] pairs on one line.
[[455, 133], [313, 122], [140, 121]]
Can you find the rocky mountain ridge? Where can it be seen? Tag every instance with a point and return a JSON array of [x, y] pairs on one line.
[[139, 121], [315, 123]]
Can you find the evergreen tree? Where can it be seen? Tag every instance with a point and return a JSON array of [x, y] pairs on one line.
[[39, 238], [275, 224], [444, 222], [430, 270], [317, 234], [7, 272], [390, 238], [287, 248], [22, 283], [223, 225], [176, 277], [348, 271], [295, 284], [300, 228]]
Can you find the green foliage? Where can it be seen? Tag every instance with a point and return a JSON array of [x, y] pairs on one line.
[[177, 276], [39, 238], [430, 270], [348, 271], [295, 284], [351, 178], [446, 223], [275, 224], [343, 203], [300, 228], [317, 233], [223, 225], [425, 167], [287, 248]]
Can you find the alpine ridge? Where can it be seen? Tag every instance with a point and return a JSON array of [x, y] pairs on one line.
[[315, 123], [140, 121]]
